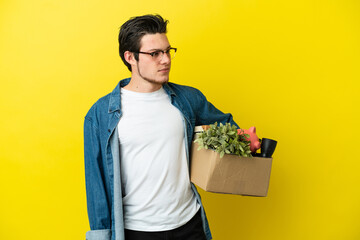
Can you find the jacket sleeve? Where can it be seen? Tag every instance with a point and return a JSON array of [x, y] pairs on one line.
[[97, 201], [207, 113]]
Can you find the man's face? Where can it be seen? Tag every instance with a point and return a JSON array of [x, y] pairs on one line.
[[148, 68]]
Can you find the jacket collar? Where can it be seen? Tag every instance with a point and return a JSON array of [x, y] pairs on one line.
[[169, 90], [115, 99]]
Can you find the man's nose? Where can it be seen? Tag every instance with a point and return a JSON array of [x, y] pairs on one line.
[[165, 58]]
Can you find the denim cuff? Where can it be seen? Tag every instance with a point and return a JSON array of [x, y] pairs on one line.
[[104, 234]]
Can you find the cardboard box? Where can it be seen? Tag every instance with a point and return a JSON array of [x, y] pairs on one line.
[[231, 174]]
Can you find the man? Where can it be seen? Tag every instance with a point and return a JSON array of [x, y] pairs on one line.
[[137, 141]]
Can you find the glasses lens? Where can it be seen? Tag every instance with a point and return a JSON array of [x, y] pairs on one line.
[[172, 53], [158, 55]]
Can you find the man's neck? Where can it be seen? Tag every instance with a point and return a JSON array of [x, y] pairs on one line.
[[141, 85]]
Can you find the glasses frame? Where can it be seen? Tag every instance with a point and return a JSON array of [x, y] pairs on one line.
[[152, 54]]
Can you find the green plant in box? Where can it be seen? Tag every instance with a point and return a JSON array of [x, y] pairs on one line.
[[225, 139]]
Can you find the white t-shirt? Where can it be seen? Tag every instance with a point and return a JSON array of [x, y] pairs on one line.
[[157, 194]]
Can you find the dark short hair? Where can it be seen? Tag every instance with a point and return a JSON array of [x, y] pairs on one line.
[[132, 31]]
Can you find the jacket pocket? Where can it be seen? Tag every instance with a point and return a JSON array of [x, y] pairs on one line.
[[104, 234]]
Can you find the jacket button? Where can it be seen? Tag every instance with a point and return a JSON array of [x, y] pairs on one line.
[[109, 130]]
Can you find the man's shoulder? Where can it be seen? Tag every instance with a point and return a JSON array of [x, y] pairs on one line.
[[102, 101], [101, 105]]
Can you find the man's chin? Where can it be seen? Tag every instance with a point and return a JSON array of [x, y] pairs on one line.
[[165, 81], [158, 81]]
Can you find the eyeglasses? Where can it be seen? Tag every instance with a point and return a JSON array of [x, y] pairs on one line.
[[158, 54]]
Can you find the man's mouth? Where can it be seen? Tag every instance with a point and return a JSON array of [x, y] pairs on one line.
[[164, 70]]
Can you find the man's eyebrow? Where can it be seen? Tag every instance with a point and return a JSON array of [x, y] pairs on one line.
[[158, 49]]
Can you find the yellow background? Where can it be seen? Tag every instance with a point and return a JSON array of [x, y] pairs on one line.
[[290, 68]]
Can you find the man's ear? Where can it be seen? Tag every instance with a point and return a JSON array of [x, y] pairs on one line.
[[129, 57]]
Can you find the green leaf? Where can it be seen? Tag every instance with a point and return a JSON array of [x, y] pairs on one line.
[[241, 148], [223, 138], [232, 148]]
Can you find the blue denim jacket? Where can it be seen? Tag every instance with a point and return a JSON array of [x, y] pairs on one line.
[[102, 155]]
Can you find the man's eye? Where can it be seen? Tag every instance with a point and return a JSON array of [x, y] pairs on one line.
[[155, 54]]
